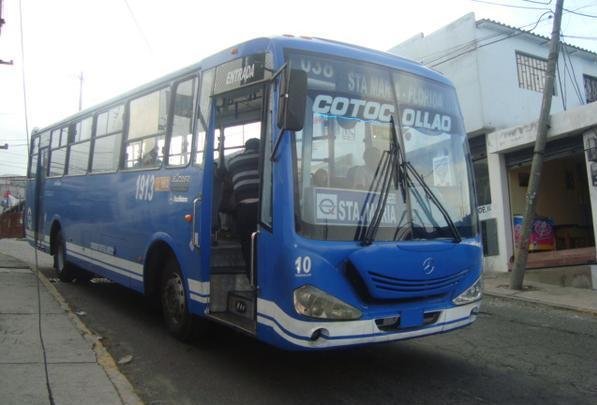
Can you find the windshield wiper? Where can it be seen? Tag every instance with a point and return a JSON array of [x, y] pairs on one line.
[[436, 201], [382, 176], [401, 175], [393, 166]]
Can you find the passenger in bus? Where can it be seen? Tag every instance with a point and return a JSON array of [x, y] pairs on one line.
[[243, 170], [150, 159], [361, 177], [320, 178]]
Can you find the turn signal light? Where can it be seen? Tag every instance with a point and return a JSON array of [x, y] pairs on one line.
[[188, 218]]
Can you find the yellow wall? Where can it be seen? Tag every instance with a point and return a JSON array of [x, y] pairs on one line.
[[565, 206]]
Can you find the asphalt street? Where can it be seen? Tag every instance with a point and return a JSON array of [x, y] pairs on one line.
[[515, 353]]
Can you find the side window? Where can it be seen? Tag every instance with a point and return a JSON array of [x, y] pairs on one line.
[[179, 150], [44, 139], [58, 151], [80, 138], [107, 141], [147, 130], [34, 155], [207, 83]]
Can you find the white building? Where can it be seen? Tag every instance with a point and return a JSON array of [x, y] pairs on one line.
[[499, 73]]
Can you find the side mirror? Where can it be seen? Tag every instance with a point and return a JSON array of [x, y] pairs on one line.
[[291, 110]]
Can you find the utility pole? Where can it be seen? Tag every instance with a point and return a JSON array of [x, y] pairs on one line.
[[81, 91], [521, 251]]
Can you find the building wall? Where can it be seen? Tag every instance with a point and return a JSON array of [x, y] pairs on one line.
[[463, 71], [504, 103], [486, 77], [486, 80]]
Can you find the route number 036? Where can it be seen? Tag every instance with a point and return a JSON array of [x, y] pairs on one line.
[[145, 185], [303, 265]]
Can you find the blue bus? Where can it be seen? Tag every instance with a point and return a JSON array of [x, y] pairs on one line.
[[309, 193]]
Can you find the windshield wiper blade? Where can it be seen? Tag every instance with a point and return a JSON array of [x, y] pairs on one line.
[[436, 201], [401, 175], [386, 181], [378, 176]]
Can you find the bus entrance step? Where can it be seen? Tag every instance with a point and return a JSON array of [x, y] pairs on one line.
[[226, 257], [242, 303], [241, 323]]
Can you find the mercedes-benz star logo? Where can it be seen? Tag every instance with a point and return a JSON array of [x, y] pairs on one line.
[[428, 265]]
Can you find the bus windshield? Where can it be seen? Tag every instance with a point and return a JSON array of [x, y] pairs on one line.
[[340, 155]]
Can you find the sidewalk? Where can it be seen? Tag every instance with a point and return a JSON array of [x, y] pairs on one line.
[[577, 299], [79, 369]]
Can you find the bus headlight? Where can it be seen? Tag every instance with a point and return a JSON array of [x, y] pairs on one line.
[[471, 294], [314, 303]]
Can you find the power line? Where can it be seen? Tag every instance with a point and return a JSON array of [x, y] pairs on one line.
[[572, 75], [39, 323], [456, 48], [513, 34], [579, 37], [539, 2], [15, 145], [23, 74], [510, 5], [562, 87], [581, 14], [139, 29]]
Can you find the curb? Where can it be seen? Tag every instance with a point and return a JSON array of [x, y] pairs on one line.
[[589, 311], [123, 387]]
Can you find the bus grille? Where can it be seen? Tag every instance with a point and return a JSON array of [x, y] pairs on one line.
[[389, 287]]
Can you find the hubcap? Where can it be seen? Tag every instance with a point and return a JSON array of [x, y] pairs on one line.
[[173, 299]]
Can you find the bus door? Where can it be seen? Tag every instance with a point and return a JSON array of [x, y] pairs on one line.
[[238, 127], [38, 208]]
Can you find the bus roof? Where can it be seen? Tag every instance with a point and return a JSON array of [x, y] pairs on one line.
[[277, 45]]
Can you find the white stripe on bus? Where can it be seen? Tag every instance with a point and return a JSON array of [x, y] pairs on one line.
[[199, 298], [106, 258], [351, 332], [199, 287], [106, 266]]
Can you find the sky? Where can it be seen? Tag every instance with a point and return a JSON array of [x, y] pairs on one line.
[[120, 44]]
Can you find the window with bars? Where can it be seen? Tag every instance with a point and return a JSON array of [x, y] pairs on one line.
[[590, 88], [532, 71]]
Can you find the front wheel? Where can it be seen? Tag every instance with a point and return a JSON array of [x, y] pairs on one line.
[[174, 302], [64, 270]]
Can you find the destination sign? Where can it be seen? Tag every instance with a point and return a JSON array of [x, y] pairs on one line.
[[351, 207], [352, 107], [240, 72]]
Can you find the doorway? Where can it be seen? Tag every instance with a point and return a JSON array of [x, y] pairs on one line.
[[237, 155]]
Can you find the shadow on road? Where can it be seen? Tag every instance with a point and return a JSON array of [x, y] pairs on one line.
[[227, 367]]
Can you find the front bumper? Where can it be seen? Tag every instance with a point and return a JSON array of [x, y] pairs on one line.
[[277, 327]]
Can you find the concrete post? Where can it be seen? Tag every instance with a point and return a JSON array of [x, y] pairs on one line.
[[500, 209]]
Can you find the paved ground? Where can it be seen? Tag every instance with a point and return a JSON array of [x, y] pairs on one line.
[[515, 353], [44, 357], [578, 299]]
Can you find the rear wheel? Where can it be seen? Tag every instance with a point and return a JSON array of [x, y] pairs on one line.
[[174, 302], [64, 270]]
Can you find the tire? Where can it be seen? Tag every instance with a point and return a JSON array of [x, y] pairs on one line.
[[173, 298], [64, 270]]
